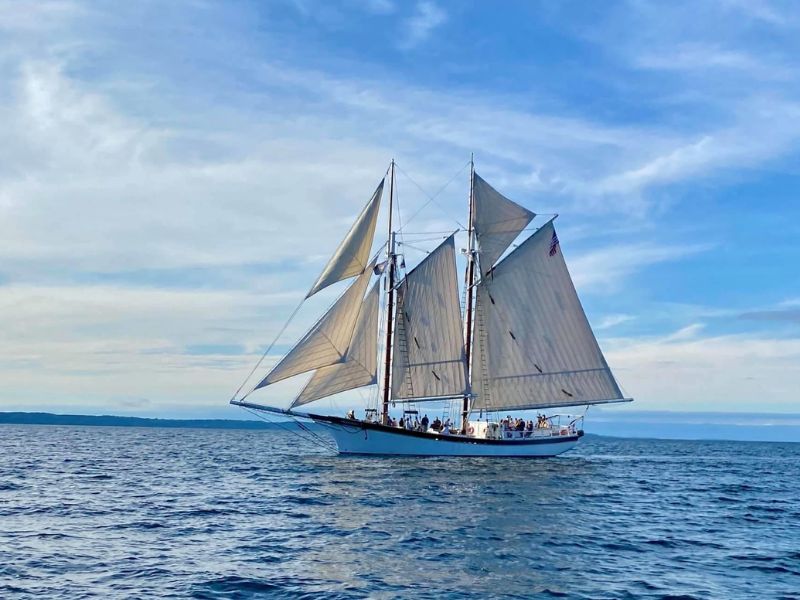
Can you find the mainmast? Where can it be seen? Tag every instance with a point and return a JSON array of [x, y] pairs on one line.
[[390, 256], [470, 280]]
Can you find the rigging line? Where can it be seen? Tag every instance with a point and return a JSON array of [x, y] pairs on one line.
[[267, 351], [417, 248], [287, 429], [432, 198], [432, 239], [324, 443], [449, 232], [395, 189], [283, 329]]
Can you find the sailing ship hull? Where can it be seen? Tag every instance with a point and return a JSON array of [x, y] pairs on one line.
[[359, 437]]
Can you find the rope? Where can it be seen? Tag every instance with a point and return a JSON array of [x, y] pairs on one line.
[[314, 439], [267, 351], [433, 197], [417, 248]]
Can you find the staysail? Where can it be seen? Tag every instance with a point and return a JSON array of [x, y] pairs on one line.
[[327, 341], [533, 345], [428, 349], [497, 221], [353, 253], [360, 364]]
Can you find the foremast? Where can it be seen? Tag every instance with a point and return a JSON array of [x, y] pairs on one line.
[[390, 269], [468, 289]]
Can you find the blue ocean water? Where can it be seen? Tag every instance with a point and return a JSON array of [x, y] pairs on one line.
[[185, 513]]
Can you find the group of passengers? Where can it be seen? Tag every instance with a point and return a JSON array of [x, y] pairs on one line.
[[507, 425], [510, 424], [404, 422], [417, 424]]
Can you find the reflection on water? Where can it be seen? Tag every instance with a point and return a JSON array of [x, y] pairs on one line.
[[177, 513]]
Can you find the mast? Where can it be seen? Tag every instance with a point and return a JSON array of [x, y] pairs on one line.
[[389, 302], [470, 280]]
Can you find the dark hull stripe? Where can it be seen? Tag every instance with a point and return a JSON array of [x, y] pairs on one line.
[[349, 423]]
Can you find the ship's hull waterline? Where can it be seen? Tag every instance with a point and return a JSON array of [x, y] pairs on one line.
[[359, 437]]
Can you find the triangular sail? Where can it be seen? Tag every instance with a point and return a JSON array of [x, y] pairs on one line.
[[327, 342], [534, 347], [497, 221], [428, 349], [360, 365], [353, 253]]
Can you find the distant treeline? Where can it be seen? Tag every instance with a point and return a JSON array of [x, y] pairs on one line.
[[40, 418]]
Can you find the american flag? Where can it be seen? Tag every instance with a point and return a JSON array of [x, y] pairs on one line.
[[553, 244]]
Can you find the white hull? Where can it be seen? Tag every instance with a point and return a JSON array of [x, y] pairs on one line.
[[356, 438]]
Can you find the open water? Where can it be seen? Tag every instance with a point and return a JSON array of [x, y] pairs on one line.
[[165, 513]]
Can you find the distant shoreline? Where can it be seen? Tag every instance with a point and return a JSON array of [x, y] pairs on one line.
[[654, 426], [43, 418]]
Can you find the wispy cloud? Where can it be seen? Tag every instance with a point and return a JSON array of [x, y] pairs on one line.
[[427, 17], [606, 269], [610, 321], [789, 312], [696, 57], [685, 371]]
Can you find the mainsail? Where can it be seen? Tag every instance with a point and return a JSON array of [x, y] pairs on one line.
[[533, 346], [497, 221], [327, 341], [359, 367], [353, 253], [428, 349]]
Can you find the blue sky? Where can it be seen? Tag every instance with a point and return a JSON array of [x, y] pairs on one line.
[[173, 175]]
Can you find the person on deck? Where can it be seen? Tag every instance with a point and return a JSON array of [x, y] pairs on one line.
[[425, 423], [402, 423]]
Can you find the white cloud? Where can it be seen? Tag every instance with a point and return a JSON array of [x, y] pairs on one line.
[[427, 17], [685, 371], [606, 269], [610, 321], [697, 57]]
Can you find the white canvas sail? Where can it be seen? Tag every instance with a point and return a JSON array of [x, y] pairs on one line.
[[353, 253], [497, 221], [534, 347], [428, 349], [360, 365], [327, 342]]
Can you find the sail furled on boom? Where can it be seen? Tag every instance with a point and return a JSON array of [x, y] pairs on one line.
[[328, 340], [360, 364], [352, 255], [428, 349], [534, 347], [497, 221]]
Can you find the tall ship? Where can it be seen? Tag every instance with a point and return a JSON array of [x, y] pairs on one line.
[[514, 337]]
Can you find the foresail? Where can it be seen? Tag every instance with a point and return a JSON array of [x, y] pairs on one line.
[[428, 349], [327, 342], [360, 365], [533, 344], [497, 221], [353, 253]]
